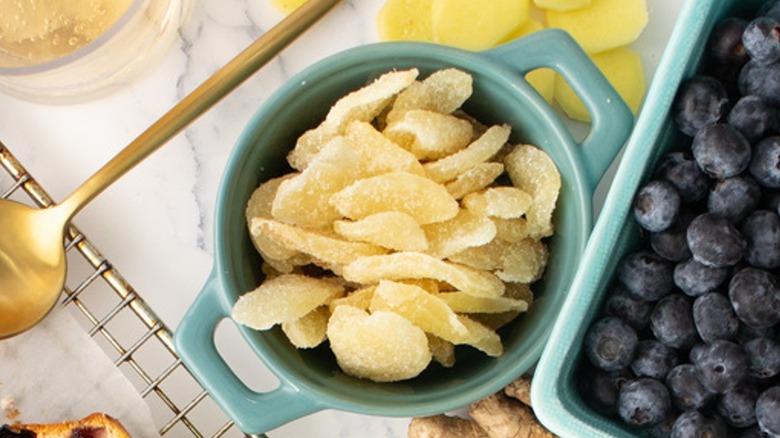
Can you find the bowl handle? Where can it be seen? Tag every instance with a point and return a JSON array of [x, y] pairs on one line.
[[611, 119], [253, 412]]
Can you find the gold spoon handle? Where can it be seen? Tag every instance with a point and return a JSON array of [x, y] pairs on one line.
[[197, 102]]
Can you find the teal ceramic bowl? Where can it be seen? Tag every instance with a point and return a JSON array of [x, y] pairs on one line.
[[310, 379], [555, 395]]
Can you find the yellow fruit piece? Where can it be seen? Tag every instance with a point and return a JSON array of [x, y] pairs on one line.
[[534, 172], [418, 306], [417, 196], [463, 231], [309, 330], [464, 303], [475, 25], [414, 265], [479, 151], [379, 155], [383, 346], [623, 69], [283, 299], [405, 20], [325, 249], [604, 25], [443, 91], [562, 5], [474, 179], [389, 229], [287, 6], [502, 202], [430, 135], [304, 200]]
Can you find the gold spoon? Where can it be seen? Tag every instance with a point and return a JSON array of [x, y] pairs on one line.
[[32, 254]]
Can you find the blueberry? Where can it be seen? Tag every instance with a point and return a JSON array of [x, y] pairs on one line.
[[747, 333], [610, 343], [725, 42], [623, 305], [751, 432], [720, 150], [646, 275], [768, 411], [714, 241], [737, 406], [653, 359], [694, 278], [714, 317], [672, 243], [672, 321], [656, 205], [763, 356], [680, 169], [765, 162], [696, 424], [644, 402], [734, 198], [755, 295], [761, 40], [762, 233], [700, 100], [754, 117], [721, 365], [601, 388], [686, 390], [761, 80]]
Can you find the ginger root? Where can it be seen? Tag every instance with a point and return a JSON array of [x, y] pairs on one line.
[[506, 414]]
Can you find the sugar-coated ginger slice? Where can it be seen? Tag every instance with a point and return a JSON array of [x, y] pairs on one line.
[[259, 205], [326, 249], [414, 265], [511, 230], [418, 306], [389, 229], [502, 202], [430, 135], [360, 298], [443, 352], [604, 25], [463, 231], [464, 303], [479, 151], [363, 104], [309, 330], [521, 262], [443, 91], [382, 346], [304, 199], [534, 172], [474, 179], [378, 154], [283, 299], [480, 337], [415, 195]]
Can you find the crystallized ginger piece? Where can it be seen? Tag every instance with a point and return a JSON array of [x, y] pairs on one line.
[[443, 91], [417, 196], [463, 231], [303, 200], [418, 306], [464, 303], [319, 246], [382, 346], [521, 262], [259, 205], [363, 104], [379, 155], [430, 135], [283, 299], [389, 229], [511, 230], [442, 351], [534, 172], [479, 151], [308, 331], [360, 298], [480, 337], [412, 265], [474, 179], [501, 202]]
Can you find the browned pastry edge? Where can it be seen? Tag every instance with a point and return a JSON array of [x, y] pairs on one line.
[[97, 425]]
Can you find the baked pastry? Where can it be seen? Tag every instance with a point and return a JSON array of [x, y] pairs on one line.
[[92, 426]]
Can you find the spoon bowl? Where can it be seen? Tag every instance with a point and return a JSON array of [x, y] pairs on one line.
[[32, 265]]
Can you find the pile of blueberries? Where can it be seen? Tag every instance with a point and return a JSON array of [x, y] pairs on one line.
[[688, 341]]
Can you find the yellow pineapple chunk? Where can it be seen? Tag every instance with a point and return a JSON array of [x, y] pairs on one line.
[[473, 25], [405, 20], [623, 69], [604, 25]]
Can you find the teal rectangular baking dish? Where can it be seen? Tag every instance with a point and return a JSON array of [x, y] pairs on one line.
[[555, 395]]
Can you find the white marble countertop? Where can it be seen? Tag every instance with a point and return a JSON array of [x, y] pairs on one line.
[[155, 224]]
